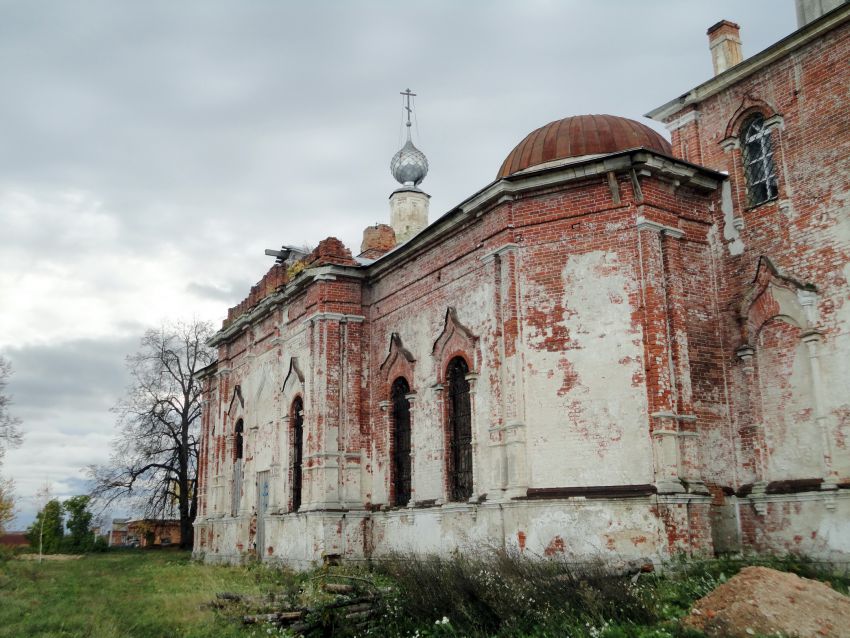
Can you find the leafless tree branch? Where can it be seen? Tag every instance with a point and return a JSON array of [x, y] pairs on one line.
[[10, 431], [155, 454]]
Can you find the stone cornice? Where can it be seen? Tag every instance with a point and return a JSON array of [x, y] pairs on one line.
[[551, 175]]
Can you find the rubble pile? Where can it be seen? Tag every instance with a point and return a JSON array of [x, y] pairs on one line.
[[763, 602], [339, 606]]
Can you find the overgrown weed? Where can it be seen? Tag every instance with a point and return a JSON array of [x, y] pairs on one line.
[[506, 594], [503, 594]]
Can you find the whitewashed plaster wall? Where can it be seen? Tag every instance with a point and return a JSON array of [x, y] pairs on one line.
[[587, 418]]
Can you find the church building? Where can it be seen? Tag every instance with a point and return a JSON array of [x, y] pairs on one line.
[[621, 349]]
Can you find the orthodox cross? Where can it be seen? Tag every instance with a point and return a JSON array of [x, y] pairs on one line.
[[407, 95]]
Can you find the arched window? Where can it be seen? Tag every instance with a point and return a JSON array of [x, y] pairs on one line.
[[238, 440], [236, 488], [297, 416], [401, 470], [460, 431], [758, 161]]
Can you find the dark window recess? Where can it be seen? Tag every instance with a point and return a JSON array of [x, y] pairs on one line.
[[237, 448], [758, 161], [460, 431], [236, 488], [401, 442], [297, 451]]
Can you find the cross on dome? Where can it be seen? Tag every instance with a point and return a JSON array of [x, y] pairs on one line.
[[409, 165]]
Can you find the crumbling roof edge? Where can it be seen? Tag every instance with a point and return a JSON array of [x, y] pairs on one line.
[[267, 304]]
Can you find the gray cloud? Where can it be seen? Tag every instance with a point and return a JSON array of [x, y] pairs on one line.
[[231, 293], [85, 375]]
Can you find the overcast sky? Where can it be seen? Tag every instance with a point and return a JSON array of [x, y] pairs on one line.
[[150, 151]]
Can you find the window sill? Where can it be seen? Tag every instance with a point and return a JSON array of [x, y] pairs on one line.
[[772, 200]]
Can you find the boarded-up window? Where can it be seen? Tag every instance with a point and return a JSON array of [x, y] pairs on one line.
[[297, 417], [460, 431], [401, 470]]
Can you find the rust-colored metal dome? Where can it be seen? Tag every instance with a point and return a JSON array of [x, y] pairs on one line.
[[581, 135]]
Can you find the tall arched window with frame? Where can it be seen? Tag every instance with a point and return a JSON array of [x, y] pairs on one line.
[[297, 454], [759, 167], [238, 453], [460, 430], [401, 465]]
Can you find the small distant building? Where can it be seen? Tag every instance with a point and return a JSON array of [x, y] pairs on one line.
[[149, 532], [118, 533], [14, 539]]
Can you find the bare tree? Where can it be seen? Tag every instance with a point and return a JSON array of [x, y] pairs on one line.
[[10, 436], [10, 431], [155, 455], [7, 503]]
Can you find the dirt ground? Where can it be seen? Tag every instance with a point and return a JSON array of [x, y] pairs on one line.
[[764, 602], [50, 557]]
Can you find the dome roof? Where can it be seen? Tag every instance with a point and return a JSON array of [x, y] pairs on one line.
[[581, 135], [409, 165]]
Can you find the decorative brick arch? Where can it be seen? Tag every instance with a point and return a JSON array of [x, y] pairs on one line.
[[775, 294], [749, 106], [399, 363], [293, 384], [236, 401], [780, 343], [456, 340]]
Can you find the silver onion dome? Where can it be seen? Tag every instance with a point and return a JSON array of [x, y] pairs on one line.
[[409, 165]]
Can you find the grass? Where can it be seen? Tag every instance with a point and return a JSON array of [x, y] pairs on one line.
[[148, 594], [130, 594]]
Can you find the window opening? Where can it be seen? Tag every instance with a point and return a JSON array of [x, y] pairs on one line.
[[240, 428], [758, 161], [460, 431], [297, 451], [401, 442], [236, 491]]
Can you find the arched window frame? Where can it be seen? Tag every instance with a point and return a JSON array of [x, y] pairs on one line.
[[459, 430], [757, 155], [238, 454], [399, 364], [401, 472], [456, 341], [297, 454]]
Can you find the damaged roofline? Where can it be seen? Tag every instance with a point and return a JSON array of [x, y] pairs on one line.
[[501, 190], [785, 46], [269, 303]]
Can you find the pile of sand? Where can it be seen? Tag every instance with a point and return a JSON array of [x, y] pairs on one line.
[[764, 602]]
